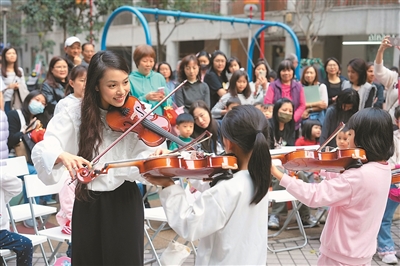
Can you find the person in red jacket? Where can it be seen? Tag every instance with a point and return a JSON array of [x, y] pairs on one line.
[[311, 131]]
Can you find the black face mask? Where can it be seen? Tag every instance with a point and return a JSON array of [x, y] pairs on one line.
[[203, 66]]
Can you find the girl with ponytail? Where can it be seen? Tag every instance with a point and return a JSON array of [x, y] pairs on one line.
[[234, 209]]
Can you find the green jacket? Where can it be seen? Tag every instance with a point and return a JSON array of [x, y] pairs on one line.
[[142, 85]]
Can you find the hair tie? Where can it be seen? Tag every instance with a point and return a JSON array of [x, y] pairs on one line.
[[258, 131]]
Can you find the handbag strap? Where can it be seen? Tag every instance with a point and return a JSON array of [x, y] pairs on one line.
[[22, 119]]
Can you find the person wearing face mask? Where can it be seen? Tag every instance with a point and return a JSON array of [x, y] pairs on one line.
[[286, 86], [283, 134], [20, 121], [204, 60]]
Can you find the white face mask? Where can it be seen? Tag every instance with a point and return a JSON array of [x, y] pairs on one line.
[[35, 107]]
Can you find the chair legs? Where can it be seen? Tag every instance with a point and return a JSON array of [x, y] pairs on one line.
[[295, 211], [150, 242]]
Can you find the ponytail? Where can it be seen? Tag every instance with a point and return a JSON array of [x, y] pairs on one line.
[[260, 166], [247, 127]]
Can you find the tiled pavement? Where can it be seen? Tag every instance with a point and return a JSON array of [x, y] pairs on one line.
[[305, 256]]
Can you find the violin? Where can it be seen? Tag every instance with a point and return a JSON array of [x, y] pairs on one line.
[[166, 166], [395, 176], [313, 160], [152, 130]]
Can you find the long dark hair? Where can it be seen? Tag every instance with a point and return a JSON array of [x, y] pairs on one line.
[[4, 63], [76, 72], [232, 84], [289, 127], [347, 96], [247, 127], [360, 67], [25, 105], [50, 78], [223, 73], [212, 127], [90, 132]]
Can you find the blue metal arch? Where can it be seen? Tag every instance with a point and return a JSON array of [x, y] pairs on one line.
[[252, 44], [119, 10], [139, 10]]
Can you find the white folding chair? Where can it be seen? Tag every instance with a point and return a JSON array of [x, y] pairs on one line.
[[36, 188], [284, 196], [17, 166], [157, 214]]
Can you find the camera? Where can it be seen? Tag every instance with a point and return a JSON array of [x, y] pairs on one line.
[[395, 41]]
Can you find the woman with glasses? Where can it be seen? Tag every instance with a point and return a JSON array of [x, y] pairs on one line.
[[333, 79], [56, 79]]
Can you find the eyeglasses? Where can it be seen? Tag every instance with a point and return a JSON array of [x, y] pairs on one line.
[[60, 67]]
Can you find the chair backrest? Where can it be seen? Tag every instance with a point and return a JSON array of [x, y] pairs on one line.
[[36, 188], [16, 166]]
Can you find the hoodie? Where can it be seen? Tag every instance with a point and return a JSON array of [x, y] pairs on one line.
[[141, 85]]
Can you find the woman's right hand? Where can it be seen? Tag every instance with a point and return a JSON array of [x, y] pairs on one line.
[[73, 162]]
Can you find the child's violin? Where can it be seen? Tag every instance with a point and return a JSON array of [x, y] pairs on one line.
[[166, 166], [313, 160]]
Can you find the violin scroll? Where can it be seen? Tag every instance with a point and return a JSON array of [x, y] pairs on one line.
[[85, 176]]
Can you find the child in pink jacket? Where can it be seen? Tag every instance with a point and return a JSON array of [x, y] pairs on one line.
[[357, 197], [67, 198], [64, 215]]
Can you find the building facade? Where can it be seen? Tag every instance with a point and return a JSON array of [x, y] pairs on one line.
[[348, 29]]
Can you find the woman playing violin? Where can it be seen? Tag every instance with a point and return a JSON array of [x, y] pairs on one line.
[[234, 210], [107, 218], [357, 197]]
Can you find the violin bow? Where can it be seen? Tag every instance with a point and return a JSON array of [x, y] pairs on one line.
[[194, 142], [337, 130], [97, 158]]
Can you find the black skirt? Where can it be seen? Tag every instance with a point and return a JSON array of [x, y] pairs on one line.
[[109, 229]]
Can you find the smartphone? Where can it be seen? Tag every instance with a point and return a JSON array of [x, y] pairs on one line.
[[395, 41], [161, 90], [261, 73]]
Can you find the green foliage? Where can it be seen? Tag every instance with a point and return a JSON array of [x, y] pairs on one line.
[[72, 16]]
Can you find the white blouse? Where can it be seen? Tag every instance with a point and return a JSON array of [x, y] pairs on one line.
[[62, 135], [65, 102], [231, 231]]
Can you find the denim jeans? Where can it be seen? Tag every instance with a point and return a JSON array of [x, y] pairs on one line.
[[21, 245], [385, 240]]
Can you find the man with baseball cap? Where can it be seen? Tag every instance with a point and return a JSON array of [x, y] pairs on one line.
[[72, 50]]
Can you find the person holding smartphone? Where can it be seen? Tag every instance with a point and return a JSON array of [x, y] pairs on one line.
[[260, 84], [145, 83]]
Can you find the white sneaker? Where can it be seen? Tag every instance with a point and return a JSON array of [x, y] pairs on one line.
[[389, 259]]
